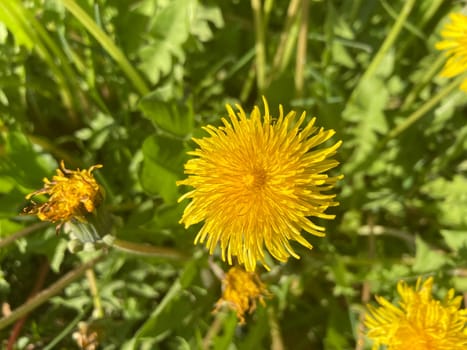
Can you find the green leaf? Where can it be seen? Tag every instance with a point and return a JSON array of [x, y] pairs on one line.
[[8, 227], [169, 115], [455, 239], [427, 259], [162, 166], [169, 31], [366, 110], [226, 337], [173, 311], [58, 255], [335, 335], [203, 16], [259, 329], [451, 199], [12, 16], [21, 163]]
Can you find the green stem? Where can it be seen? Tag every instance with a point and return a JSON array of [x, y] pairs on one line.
[[147, 250], [46, 294], [389, 41], [427, 106], [98, 310], [286, 41], [147, 328], [22, 233], [409, 121], [268, 6], [354, 10], [107, 44], [66, 330], [423, 81], [301, 49], [248, 84], [23, 23], [274, 329], [260, 50], [214, 329]]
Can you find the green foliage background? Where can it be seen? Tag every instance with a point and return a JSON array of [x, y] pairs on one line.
[[127, 84]]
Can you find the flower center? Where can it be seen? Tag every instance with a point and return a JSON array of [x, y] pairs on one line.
[[256, 179]]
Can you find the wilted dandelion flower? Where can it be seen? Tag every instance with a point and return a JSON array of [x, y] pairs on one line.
[[419, 322], [241, 291], [257, 180], [72, 195], [455, 44]]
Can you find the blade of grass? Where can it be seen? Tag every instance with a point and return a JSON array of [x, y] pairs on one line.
[[408, 122], [98, 311], [301, 49], [23, 23], [422, 82], [66, 330], [274, 328], [389, 41], [412, 28], [287, 40], [22, 233], [147, 250], [427, 106], [107, 44], [259, 45]]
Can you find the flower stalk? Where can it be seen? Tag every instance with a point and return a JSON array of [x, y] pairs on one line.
[[147, 250], [22, 233]]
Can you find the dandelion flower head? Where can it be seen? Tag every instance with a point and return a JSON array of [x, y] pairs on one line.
[[72, 194], [241, 291], [455, 44], [419, 322], [257, 180]]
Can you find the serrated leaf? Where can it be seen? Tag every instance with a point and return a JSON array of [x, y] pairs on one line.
[[366, 109], [202, 17], [169, 31]]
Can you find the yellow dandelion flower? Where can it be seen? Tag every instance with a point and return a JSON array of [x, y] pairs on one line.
[[73, 194], [241, 291], [419, 322], [256, 183], [455, 44]]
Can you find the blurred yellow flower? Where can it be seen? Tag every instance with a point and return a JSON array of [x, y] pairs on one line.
[[73, 194], [241, 291], [256, 183], [419, 322], [455, 44]]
